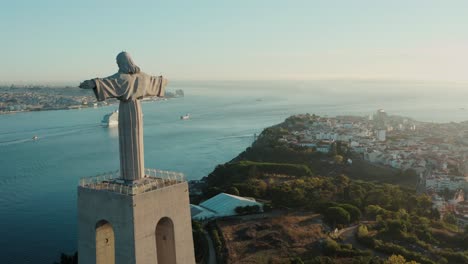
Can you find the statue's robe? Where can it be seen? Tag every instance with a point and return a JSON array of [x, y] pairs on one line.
[[129, 88]]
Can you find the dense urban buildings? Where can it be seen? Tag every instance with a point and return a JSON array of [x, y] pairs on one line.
[[436, 152]]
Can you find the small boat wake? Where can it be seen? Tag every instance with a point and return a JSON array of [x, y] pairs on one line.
[[15, 141], [46, 134]]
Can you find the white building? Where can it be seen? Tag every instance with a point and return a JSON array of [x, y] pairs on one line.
[[381, 135], [221, 205], [324, 146], [373, 156], [326, 136], [307, 144], [438, 202], [461, 212], [442, 182], [199, 213]]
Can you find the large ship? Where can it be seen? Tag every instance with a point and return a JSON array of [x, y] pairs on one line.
[[111, 119]]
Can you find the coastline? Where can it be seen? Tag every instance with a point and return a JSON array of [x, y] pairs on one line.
[[306, 191]]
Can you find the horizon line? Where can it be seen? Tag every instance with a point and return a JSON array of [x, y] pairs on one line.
[[363, 79]]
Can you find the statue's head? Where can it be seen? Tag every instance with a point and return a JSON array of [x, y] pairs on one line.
[[126, 64]]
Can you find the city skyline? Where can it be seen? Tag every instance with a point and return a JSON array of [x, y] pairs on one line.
[[53, 41]]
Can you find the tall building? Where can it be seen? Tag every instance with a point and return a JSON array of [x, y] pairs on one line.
[[380, 115], [380, 118]]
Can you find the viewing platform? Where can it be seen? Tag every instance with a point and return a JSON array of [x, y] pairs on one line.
[[153, 180]]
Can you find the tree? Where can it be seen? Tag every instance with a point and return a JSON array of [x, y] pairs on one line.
[[253, 172], [373, 211], [248, 209], [337, 216], [379, 197], [397, 259], [341, 184], [330, 247], [338, 159], [341, 181], [297, 260], [233, 190], [362, 231], [199, 242], [197, 226], [68, 259], [355, 195], [287, 195], [211, 191], [333, 150], [435, 214], [252, 188], [424, 204], [450, 219], [354, 212], [395, 226]]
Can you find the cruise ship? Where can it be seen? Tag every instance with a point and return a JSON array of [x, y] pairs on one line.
[[111, 119]]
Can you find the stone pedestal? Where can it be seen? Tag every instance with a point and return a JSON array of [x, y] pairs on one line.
[[153, 226]]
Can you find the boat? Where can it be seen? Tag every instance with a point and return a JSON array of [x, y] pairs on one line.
[[185, 117], [111, 119], [35, 138]]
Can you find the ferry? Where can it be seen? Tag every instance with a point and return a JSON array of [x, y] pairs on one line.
[[185, 117], [111, 119]]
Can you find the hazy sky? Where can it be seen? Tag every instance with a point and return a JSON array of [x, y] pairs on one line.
[[62, 40]]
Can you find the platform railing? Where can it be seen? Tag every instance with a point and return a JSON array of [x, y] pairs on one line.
[[111, 181]]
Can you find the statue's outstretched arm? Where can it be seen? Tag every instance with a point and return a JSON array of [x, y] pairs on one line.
[[88, 84]]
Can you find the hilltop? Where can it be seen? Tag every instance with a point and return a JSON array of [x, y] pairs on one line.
[[328, 206]]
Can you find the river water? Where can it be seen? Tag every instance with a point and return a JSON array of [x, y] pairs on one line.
[[38, 179]]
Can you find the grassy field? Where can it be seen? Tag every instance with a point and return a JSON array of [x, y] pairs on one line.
[[273, 239]]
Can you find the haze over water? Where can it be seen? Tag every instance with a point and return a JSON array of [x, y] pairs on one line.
[[39, 178]]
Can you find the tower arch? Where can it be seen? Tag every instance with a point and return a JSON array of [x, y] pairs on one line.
[[105, 243], [165, 241]]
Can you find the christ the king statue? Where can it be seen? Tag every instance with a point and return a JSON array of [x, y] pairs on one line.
[[128, 85]]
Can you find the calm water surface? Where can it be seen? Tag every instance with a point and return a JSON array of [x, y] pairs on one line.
[[38, 179]]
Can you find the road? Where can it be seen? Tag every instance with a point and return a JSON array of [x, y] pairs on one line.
[[211, 250]]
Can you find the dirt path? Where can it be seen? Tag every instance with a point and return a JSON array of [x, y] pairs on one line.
[[349, 237]]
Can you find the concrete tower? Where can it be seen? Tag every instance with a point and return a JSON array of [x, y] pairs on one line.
[[137, 223], [135, 215]]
